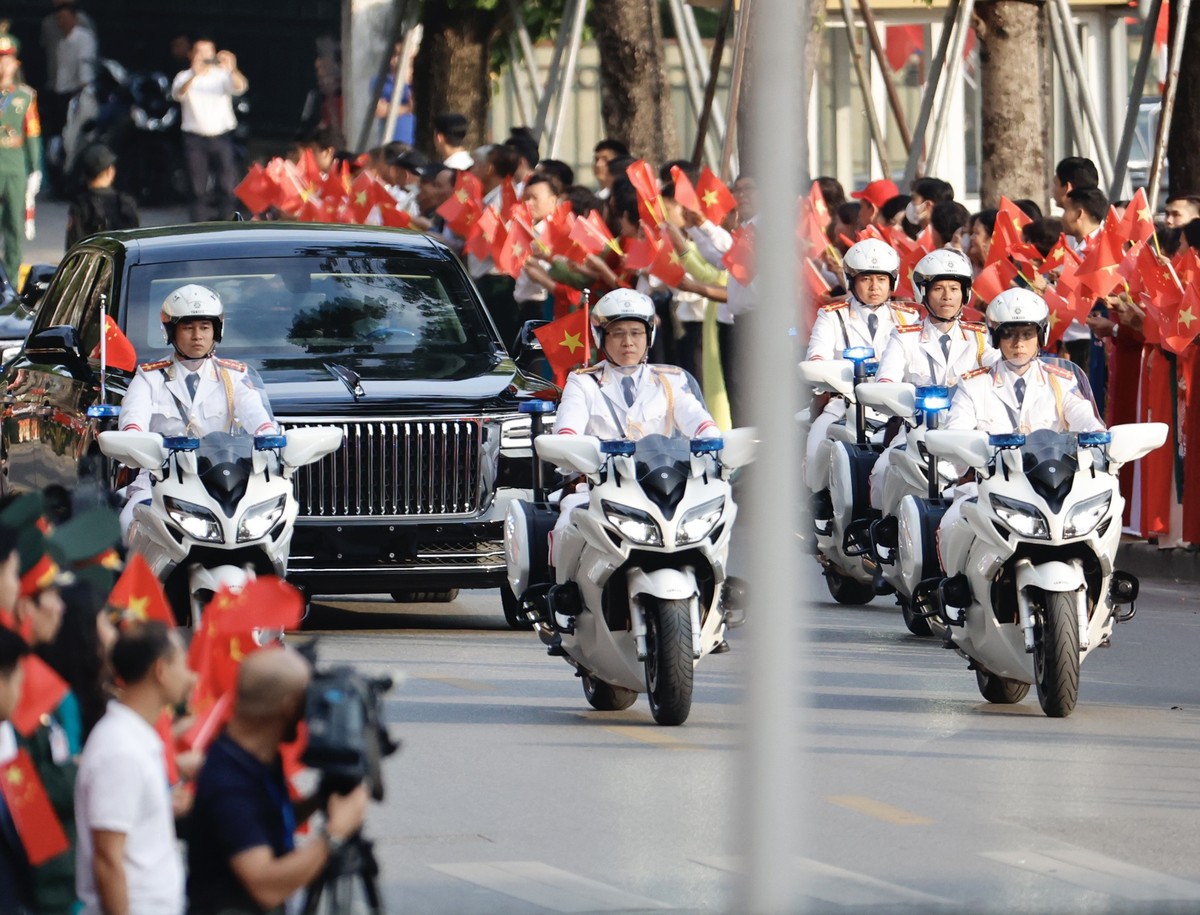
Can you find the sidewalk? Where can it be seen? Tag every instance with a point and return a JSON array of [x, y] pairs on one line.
[[51, 223], [1146, 560]]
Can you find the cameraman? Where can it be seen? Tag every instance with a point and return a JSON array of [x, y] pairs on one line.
[[242, 856]]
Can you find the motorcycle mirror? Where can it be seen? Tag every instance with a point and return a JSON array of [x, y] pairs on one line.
[[269, 442], [1007, 440], [707, 445], [619, 446]]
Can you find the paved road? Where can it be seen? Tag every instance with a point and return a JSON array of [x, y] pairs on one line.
[[512, 795]]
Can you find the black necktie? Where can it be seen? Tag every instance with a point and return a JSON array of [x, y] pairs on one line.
[[627, 387], [946, 345], [1019, 387], [872, 325], [192, 379]]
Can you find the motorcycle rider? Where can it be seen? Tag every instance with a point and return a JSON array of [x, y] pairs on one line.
[[941, 348], [866, 317], [1020, 392], [193, 392]]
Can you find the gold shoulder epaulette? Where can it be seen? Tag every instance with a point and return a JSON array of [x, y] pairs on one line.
[[154, 366], [908, 328], [971, 374], [973, 325], [1059, 371], [905, 306], [589, 370], [666, 370], [834, 306], [232, 364]]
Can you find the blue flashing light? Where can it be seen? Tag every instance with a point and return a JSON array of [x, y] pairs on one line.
[[933, 398], [858, 353], [618, 446], [103, 411], [707, 445], [1094, 439], [1007, 440], [180, 443], [269, 442], [537, 405]]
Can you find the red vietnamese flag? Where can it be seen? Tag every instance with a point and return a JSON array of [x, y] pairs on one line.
[[139, 594], [311, 210], [508, 199], [565, 343], [1187, 267], [1059, 254], [1138, 222], [641, 252], [1158, 279], [715, 198], [479, 242], [289, 189], [645, 182], [462, 209], [256, 190], [41, 692], [1182, 325], [994, 280], [556, 230], [392, 215], [309, 171], [739, 259], [591, 233], [367, 192], [685, 193], [336, 187], [263, 603], [118, 350], [515, 249], [816, 202], [818, 288], [1098, 271], [1006, 232], [667, 266], [32, 814], [910, 256]]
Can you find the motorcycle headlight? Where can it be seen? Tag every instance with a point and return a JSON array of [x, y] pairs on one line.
[[1022, 517], [195, 520], [260, 518], [1084, 517], [635, 526], [699, 522]]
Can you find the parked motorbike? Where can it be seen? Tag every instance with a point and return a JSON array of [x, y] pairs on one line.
[[843, 547], [222, 506], [639, 592], [152, 166], [1032, 588]]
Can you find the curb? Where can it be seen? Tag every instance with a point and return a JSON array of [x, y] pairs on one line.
[[1146, 560]]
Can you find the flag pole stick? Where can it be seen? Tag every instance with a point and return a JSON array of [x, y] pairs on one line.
[[103, 346], [587, 328]]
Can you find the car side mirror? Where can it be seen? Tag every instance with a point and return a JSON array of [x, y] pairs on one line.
[[527, 346], [37, 281], [58, 345]]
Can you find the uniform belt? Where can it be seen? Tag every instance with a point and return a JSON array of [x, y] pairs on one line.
[[11, 142]]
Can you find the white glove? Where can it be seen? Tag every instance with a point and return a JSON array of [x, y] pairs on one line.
[[33, 186]]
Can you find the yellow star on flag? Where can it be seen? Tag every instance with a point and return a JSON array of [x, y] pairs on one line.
[[518, 250], [462, 196], [710, 198], [361, 198], [14, 776], [235, 650], [571, 342], [1186, 317], [675, 258], [138, 606], [1144, 214]]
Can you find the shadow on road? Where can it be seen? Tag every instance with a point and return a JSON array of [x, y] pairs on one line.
[[374, 614]]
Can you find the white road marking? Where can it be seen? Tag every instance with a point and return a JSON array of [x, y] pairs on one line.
[[841, 887], [548, 887], [1092, 871]]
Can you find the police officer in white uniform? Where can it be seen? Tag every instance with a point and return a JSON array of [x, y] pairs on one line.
[[1020, 393], [939, 350], [193, 392], [871, 270]]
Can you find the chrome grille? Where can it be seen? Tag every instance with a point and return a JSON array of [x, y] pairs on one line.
[[401, 468]]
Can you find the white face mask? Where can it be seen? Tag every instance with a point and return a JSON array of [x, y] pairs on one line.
[[911, 214]]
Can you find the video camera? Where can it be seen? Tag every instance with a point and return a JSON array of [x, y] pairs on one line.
[[347, 739]]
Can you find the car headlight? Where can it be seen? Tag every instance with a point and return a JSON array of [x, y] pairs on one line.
[[635, 526], [699, 522], [1022, 517], [195, 520], [260, 518], [1084, 517]]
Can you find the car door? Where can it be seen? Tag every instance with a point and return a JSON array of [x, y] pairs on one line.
[[38, 382]]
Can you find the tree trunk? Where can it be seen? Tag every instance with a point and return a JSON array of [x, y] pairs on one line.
[[1182, 149], [1012, 58], [451, 72], [635, 96]]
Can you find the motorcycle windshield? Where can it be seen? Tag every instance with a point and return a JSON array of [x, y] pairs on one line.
[[662, 465], [1081, 378], [225, 463], [1049, 461]]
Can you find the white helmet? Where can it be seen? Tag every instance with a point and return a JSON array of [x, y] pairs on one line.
[[942, 264], [622, 305], [1016, 307], [188, 302], [870, 256]]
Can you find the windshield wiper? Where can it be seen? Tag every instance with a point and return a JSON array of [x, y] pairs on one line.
[[347, 377]]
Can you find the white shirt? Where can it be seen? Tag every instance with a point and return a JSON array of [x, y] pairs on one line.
[[158, 400], [845, 324], [914, 353], [526, 289], [75, 61], [593, 403], [207, 106], [122, 787], [462, 160], [987, 401]]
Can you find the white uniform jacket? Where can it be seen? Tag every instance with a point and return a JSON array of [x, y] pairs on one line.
[[986, 400], [914, 353], [593, 403], [844, 324], [226, 400]]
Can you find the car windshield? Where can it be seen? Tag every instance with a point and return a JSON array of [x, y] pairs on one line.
[[381, 316]]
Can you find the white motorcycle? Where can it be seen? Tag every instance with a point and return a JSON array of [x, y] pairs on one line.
[[640, 592], [222, 507], [841, 522], [1032, 588]]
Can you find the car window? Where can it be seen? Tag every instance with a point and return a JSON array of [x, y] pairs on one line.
[[99, 291], [63, 303], [378, 315]]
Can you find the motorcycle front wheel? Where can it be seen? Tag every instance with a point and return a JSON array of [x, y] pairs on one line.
[[669, 667], [1056, 656], [845, 590], [1000, 690], [605, 697]]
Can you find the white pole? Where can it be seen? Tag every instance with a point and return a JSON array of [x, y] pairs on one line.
[[567, 86]]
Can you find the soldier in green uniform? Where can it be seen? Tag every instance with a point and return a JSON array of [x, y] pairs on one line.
[[20, 153]]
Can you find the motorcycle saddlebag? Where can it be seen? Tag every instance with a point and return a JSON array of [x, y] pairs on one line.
[[526, 544]]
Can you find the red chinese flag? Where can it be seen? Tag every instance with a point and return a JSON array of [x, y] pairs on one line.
[[310, 173], [685, 193], [336, 187], [1182, 327], [508, 199], [1158, 279], [392, 215], [118, 350], [479, 242], [591, 233], [1064, 308], [288, 185], [311, 210], [139, 594], [1098, 272], [645, 182], [556, 230], [1138, 222], [818, 288], [256, 190], [41, 692], [565, 342], [715, 198], [463, 208], [816, 202], [367, 192], [994, 280], [1006, 232], [263, 603], [31, 811], [640, 252], [666, 265], [739, 259], [515, 249]]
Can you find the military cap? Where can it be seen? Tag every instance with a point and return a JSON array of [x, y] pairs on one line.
[[88, 545], [24, 511], [9, 44], [40, 563]]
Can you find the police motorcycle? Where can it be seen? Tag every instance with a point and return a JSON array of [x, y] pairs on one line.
[[222, 506], [639, 592], [842, 512]]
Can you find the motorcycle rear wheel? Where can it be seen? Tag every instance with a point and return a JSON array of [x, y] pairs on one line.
[[917, 625], [669, 669], [513, 614], [1056, 656], [845, 590], [1000, 690], [605, 697]]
